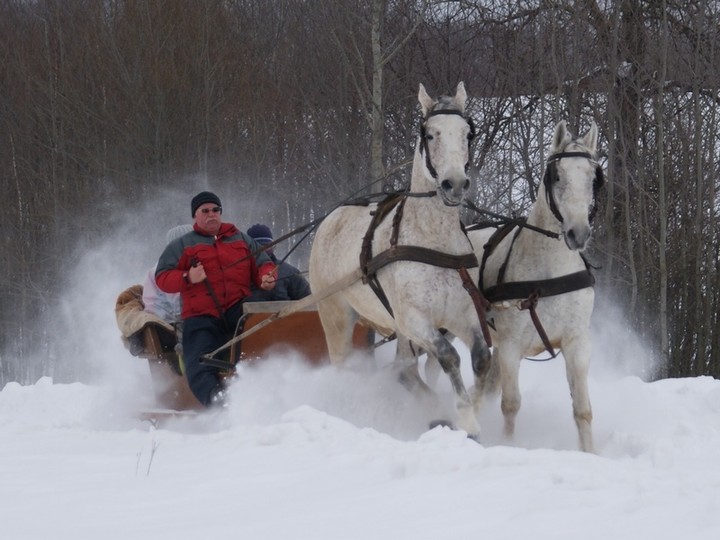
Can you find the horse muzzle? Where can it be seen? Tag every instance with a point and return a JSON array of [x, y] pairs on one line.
[[577, 238], [453, 191]]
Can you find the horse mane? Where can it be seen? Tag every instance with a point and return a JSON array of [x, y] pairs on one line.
[[445, 103], [577, 142]]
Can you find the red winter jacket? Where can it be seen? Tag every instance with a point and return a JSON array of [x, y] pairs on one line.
[[228, 262]]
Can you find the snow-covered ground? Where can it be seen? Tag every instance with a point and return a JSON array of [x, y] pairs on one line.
[[345, 454]]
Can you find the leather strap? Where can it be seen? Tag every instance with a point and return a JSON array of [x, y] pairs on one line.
[[530, 303], [543, 287], [479, 301]]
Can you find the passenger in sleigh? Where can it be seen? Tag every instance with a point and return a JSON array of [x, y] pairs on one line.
[[289, 285], [145, 307], [167, 306], [132, 320]]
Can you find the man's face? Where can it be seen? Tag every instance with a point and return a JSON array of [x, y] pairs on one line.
[[209, 218]]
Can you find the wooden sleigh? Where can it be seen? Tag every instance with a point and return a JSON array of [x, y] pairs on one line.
[[297, 330]]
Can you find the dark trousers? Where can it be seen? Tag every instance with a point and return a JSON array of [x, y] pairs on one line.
[[202, 335]]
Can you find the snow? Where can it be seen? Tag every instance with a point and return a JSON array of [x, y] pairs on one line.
[[329, 453], [344, 453]]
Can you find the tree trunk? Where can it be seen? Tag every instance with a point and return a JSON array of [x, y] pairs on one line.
[[377, 164], [662, 199]]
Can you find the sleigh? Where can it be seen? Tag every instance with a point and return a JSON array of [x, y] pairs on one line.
[[263, 333]]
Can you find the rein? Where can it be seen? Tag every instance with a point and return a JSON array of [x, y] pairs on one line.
[[351, 199], [503, 220], [366, 200], [396, 253]]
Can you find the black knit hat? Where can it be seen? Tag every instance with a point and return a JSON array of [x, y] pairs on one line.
[[261, 233], [202, 198]]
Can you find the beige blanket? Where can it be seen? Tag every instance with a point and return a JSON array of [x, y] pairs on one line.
[[130, 313]]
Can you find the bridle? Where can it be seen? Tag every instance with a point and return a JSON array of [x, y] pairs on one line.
[[424, 137], [551, 177]]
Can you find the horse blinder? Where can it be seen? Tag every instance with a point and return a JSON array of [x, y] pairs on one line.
[[551, 176], [599, 179], [471, 135], [598, 183]]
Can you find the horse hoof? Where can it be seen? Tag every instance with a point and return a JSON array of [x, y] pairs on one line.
[[441, 423]]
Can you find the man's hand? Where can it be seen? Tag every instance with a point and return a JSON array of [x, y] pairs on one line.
[[267, 282], [196, 274]]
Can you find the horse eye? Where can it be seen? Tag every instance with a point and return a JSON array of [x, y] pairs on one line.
[[429, 137]]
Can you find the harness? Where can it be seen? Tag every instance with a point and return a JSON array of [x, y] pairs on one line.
[[370, 264], [529, 292]]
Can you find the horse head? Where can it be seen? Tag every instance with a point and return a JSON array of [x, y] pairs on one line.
[[443, 149], [571, 182]]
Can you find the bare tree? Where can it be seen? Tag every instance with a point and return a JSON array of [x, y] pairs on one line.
[[301, 104]]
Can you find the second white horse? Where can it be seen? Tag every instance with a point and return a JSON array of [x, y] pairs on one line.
[[528, 263]]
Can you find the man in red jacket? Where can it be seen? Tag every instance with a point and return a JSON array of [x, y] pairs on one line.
[[212, 268]]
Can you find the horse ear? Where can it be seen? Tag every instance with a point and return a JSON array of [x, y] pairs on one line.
[[591, 138], [461, 96], [562, 136], [426, 102]]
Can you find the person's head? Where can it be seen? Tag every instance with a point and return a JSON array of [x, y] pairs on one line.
[[177, 231], [207, 212], [262, 234]]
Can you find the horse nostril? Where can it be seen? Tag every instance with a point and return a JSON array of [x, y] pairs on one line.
[[467, 184], [446, 185], [571, 235]]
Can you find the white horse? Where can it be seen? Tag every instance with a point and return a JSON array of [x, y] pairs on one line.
[[422, 297], [526, 261]]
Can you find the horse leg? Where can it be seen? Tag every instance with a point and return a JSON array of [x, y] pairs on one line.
[[338, 320], [432, 371], [406, 360], [508, 358], [577, 363], [449, 360], [488, 385], [432, 366], [485, 370]]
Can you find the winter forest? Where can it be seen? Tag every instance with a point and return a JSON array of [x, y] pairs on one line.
[[293, 106]]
